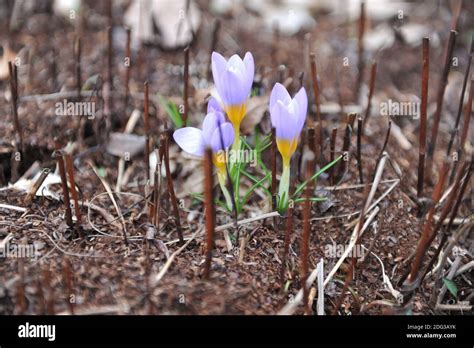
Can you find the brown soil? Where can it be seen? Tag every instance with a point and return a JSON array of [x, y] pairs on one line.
[[106, 272]]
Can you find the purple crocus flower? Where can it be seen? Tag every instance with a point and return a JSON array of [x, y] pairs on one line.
[[233, 80], [288, 117], [216, 134], [195, 141]]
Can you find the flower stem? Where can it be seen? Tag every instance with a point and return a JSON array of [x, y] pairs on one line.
[[284, 189], [221, 176], [236, 145]]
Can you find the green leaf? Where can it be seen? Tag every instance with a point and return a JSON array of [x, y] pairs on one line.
[[282, 203], [317, 174], [172, 111], [312, 199], [251, 189], [254, 92], [287, 285], [452, 287], [223, 205], [102, 172]]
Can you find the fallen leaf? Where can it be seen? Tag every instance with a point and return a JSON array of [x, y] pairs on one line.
[[27, 184], [166, 23], [7, 55], [381, 37], [125, 145], [256, 107], [289, 19]]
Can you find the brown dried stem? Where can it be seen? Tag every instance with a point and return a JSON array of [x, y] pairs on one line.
[[110, 53], [332, 153], [456, 13], [186, 85], [346, 145], [31, 194], [305, 239], [301, 79], [359, 150], [215, 38], [360, 51], [12, 69], [423, 115], [385, 143], [314, 79], [373, 74], [465, 171], [465, 129], [455, 130], [157, 191], [171, 193], [77, 55], [72, 184], [210, 210], [62, 174], [439, 102], [78, 73], [423, 243], [128, 66], [312, 143], [446, 233], [146, 120]]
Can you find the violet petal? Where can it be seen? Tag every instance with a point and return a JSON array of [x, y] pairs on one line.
[[226, 131], [190, 140], [210, 124]]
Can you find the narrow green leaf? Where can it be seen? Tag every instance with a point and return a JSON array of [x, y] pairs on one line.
[[312, 199], [252, 188], [452, 287], [317, 174], [172, 111]]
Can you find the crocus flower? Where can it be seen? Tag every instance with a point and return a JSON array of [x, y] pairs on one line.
[[233, 80], [288, 117], [216, 134]]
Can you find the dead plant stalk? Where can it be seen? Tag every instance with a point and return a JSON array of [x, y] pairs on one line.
[[423, 115], [210, 210]]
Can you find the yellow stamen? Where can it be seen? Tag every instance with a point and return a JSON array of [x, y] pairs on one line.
[[219, 159], [236, 114], [287, 148]]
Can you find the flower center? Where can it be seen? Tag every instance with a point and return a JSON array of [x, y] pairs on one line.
[[287, 148], [235, 113], [219, 160]]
